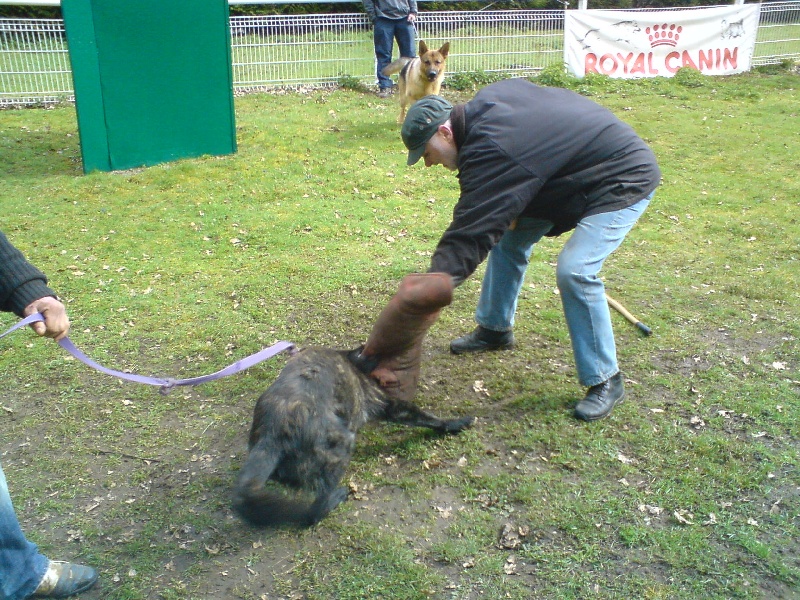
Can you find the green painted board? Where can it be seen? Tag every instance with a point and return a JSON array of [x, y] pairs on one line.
[[153, 80]]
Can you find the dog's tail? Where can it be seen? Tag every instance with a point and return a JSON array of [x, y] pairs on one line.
[[396, 66], [260, 506]]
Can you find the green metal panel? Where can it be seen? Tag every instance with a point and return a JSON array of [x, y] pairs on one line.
[[153, 80]]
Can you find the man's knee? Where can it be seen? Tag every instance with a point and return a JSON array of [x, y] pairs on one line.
[[570, 276]]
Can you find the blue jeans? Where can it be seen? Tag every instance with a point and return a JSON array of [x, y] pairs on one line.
[[386, 31], [22, 567], [582, 291]]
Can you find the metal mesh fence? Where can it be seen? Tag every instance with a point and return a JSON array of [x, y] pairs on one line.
[[321, 49], [310, 49], [778, 33], [34, 62], [271, 51], [515, 41]]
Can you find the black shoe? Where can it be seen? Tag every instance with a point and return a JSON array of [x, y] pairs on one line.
[[482, 339], [601, 399], [63, 579]]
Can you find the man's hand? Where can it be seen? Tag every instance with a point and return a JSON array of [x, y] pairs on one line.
[[56, 322]]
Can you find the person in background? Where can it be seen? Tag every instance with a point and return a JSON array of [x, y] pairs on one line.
[[392, 20], [532, 162], [24, 571]]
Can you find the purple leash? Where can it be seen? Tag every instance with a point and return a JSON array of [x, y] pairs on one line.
[[166, 384]]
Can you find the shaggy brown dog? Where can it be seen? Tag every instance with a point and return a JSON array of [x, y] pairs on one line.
[[304, 432]]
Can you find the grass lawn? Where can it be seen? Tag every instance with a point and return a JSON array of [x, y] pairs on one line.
[[690, 489]]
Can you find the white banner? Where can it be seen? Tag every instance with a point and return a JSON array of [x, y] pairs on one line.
[[628, 44]]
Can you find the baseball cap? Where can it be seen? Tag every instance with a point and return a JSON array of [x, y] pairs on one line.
[[422, 121]]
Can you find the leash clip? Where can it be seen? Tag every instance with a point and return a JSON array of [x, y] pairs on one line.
[[166, 388]]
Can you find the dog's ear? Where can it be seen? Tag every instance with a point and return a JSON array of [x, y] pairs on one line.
[[445, 49], [423, 47]]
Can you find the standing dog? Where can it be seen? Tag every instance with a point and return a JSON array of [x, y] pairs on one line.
[[419, 76], [304, 432]]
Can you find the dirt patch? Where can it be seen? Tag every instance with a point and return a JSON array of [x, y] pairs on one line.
[[201, 550]]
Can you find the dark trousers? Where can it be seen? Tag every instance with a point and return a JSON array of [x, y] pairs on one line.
[[386, 31]]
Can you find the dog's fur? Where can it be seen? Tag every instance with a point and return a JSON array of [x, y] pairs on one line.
[[303, 436], [419, 76]]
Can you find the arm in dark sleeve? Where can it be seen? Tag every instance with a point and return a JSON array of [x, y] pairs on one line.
[[369, 6], [20, 282], [494, 191]]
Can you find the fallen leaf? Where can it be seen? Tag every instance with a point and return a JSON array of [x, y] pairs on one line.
[[653, 510], [445, 511], [479, 388], [511, 536], [624, 459], [511, 566]]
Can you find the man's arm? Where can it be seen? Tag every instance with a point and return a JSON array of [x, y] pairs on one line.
[[369, 6], [397, 335], [24, 291], [20, 282]]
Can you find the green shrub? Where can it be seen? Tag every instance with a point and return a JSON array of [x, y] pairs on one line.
[[473, 80], [689, 77], [556, 76], [349, 82]]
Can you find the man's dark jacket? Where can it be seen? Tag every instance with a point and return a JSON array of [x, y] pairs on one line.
[[389, 9], [530, 151], [20, 282]]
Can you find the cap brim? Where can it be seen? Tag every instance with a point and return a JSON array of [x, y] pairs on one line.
[[415, 154]]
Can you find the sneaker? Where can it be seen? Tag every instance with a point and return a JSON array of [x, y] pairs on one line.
[[481, 340], [385, 92], [601, 399], [63, 579]]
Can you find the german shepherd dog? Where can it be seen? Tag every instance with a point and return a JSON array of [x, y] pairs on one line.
[[304, 432], [419, 76]]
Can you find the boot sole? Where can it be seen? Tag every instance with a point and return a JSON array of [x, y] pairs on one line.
[[483, 349]]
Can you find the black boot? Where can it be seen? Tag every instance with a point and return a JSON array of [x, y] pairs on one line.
[[482, 339], [600, 399]]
